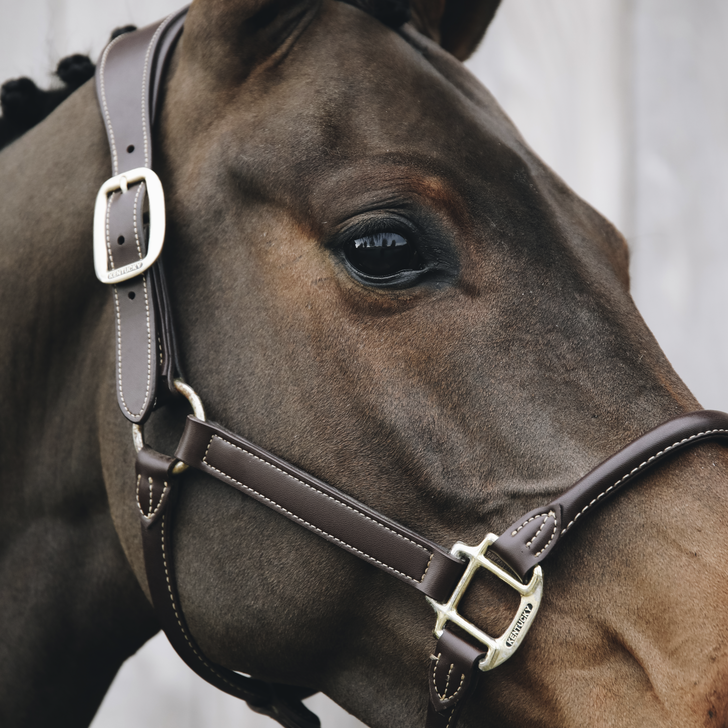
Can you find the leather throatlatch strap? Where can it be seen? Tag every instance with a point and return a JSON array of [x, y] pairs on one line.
[[156, 490], [128, 81]]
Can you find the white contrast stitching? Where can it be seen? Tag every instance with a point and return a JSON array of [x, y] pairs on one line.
[[641, 466], [151, 45], [115, 158], [108, 232], [118, 352], [134, 217], [161, 498], [545, 517], [447, 683], [187, 637], [117, 307], [550, 514], [115, 163], [535, 536], [139, 505], [532, 518], [148, 387], [150, 352], [449, 720], [310, 525], [120, 359], [553, 535], [444, 697], [102, 69]]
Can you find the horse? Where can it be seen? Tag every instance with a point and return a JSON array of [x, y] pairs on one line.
[[487, 362]]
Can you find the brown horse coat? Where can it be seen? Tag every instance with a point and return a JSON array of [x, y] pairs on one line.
[[452, 401]]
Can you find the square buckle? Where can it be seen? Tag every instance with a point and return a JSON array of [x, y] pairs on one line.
[[157, 224], [499, 648]]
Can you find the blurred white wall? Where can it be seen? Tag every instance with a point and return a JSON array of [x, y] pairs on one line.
[[625, 99]]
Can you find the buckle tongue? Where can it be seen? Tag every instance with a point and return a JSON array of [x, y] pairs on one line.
[[157, 221], [500, 648]]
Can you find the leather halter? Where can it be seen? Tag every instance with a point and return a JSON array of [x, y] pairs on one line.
[[126, 255]]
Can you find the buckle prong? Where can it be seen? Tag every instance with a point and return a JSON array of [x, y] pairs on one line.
[[499, 648]]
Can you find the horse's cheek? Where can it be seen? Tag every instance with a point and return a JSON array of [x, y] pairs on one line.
[[245, 574]]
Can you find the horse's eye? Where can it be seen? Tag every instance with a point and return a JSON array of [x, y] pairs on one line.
[[382, 254]]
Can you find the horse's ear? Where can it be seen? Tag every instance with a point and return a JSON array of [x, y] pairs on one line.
[[457, 25], [229, 37]]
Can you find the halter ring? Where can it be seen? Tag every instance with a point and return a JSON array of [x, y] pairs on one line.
[[198, 410]]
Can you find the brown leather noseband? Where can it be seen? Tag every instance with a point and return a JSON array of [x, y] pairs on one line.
[[127, 256]]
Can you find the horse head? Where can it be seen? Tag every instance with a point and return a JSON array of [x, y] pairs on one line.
[[374, 278]]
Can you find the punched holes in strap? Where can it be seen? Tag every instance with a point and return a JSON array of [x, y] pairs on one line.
[[126, 73], [136, 334]]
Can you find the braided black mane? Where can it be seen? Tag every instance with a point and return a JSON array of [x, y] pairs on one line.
[[24, 104]]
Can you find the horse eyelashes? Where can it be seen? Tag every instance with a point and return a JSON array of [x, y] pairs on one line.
[[382, 255]]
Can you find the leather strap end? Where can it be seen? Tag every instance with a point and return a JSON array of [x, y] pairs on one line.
[[286, 708], [454, 670], [154, 484], [527, 541]]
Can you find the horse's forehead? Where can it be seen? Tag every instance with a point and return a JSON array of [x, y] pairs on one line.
[[356, 115], [353, 89]]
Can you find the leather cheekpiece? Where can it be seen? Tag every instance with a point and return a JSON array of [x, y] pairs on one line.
[[127, 82], [321, 508]]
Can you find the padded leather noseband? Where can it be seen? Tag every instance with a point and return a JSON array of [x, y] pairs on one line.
[[128, 81]]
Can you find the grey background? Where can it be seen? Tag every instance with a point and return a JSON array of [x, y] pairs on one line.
[[625, 99]]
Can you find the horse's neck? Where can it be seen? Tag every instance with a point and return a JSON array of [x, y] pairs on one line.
[[67, 591]]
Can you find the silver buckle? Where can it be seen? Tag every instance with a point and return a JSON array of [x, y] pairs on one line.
[[157, 223], [500, 648]]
